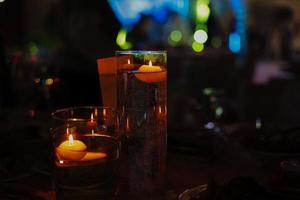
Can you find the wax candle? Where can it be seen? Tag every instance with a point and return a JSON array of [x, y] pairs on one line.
[[151, 74], [71, 149]]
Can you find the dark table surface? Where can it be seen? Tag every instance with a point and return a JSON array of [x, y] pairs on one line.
[[26, 162]]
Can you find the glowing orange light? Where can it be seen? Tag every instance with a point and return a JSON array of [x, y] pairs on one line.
[[49, 81], [92, 117]]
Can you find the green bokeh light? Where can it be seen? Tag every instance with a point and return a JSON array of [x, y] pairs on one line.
[[176, 36], [216, 42], [197, 47], [203, 12]]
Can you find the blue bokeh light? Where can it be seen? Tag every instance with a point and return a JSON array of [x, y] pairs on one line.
[[129, 12], [234, 42]]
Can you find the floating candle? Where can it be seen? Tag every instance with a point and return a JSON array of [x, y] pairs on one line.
[[151, 74], [71, 149]]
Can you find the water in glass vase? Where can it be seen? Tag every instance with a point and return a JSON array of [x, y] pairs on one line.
[[142, 100]]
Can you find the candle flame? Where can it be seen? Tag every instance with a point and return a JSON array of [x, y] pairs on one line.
[[96, 112], [104, 112], [159, 109], [150, 63], [93, 132], [92, 117], [71, 139], [68, 131], [128, 62]]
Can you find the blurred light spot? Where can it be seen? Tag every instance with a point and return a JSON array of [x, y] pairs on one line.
[[209, 125], [197, 47], [33, 49], [1, 1], [160, 15], [121, 37], [176, 36], [127, 45], [202, 26], [130, 12], [31, 113], [219, 111], [34, 59], [204, 1], [121, 40], [258, 123], [56, 80], [234, 42], [61, 162], [216, 42], [37, 80], [212, 99], [200, 36], [49, 81], [208, 91], [202, 11]]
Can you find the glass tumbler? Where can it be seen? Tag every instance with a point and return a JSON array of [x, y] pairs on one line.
[[86, 147]]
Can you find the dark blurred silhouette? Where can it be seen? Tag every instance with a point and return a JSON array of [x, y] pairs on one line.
[[86, 30], [6, 98]]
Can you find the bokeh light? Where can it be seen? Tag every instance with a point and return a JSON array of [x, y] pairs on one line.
[[176, 36], [121, 40], [197, 47], [216, 42], [203, 12], [234, 42], [200, 36]]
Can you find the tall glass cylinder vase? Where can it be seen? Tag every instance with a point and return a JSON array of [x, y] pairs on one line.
[[142, 106]]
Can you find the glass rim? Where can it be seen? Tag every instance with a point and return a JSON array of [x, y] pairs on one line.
[[77, 119], [129, 52]]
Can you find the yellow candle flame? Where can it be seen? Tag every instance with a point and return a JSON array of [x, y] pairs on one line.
[[71, 140], [150, 63], [159, 109], [93, 132], [96, 112], [128, 62]]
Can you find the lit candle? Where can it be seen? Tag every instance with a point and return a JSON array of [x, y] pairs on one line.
[[92, 124], [128, 65], [71, 149], [151, 74]]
